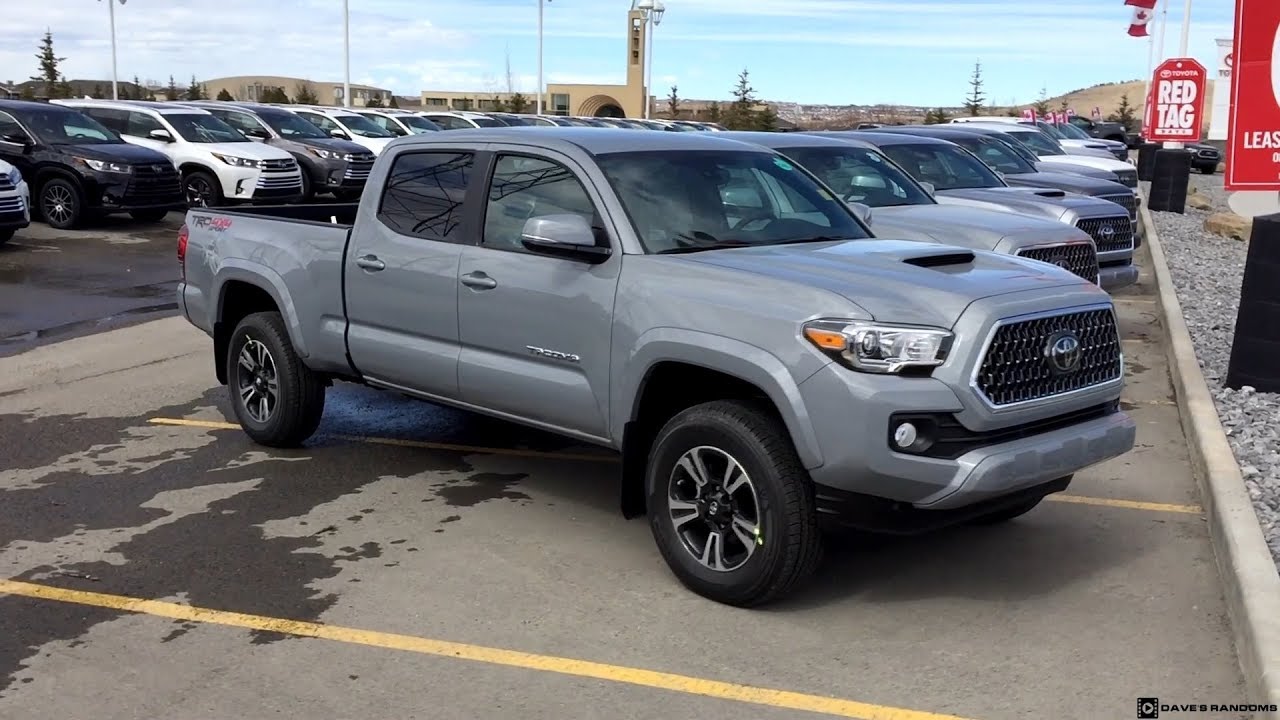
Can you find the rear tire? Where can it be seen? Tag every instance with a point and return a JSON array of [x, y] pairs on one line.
[[777, 499], [278, 400]]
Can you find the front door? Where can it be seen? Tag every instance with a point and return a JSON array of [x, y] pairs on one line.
[[402, 273], [535, 330]]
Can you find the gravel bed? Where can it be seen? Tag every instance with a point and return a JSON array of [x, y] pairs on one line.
[[1207, 271]]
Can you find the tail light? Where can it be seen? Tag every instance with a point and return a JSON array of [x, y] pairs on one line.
[[182, 250]]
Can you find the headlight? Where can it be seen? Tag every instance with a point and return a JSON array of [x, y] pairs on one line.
[[103, 166], [878, 347], [237, 161], [14, 176], [327, 154]]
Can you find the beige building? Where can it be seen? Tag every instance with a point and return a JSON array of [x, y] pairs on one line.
[[250, 88], [569, 99]]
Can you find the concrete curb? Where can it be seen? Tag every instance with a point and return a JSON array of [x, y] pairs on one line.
[[1250, 580]]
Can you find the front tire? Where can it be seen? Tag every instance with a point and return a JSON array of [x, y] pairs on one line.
[[730, 506], [277, 399], [61, 204], [202, 190]]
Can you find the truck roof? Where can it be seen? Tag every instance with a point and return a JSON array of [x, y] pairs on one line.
[[594, 140], [794, 139], [882, 138]]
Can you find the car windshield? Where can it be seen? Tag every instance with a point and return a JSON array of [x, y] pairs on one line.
[[292, 126], [60, 127], [1050, 130], [995, 154], [686, 201], [1015, 147], [486, 121], [362, 126], [1040, 143], [203, 128], [947, 167], [860, 175], [418, 123], [1073, 132]]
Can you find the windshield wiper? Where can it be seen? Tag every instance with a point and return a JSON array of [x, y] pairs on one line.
[[717, 245]]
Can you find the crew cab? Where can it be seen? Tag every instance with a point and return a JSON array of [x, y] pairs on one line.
[[958, 177], [15, 202], [895, 205], [1074, 138], [331, 165], [762, 377], [75, 167], [1015, 170], [218, 164], [1100, 129]]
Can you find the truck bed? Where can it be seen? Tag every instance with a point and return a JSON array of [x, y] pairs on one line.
[[343, 214]]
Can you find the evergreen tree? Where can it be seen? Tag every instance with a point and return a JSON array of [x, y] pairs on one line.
[[305, 94], [396, 103], [673, 103], [767, 119], [224, 95], [518, 103], [1042, 103], [973, 104], [1124, 114], [714, 113], [195, 91], [741, 114], [172, 92], [49, 61], [97, 92], [374, 102]]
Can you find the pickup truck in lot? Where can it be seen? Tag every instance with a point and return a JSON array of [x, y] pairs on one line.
[[764, 377], [958, 177]]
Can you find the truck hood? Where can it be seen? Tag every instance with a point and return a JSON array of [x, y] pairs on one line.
[[894, 280], [1078, 143], [1075, 169], [121, 152], [1099, 163], [976, 228], [1045, 202], [1068, 181]]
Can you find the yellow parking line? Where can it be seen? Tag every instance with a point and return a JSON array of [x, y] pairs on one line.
[[1131, 504], [606, 458], [477, 653]]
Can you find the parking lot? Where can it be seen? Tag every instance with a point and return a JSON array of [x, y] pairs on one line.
[[417, 562]]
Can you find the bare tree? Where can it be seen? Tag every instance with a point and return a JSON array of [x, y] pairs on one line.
[[511, 85]]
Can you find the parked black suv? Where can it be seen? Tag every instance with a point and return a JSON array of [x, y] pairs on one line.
[[329, 164], [75, 167]]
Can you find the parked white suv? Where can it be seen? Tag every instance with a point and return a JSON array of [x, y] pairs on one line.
[[399, 122], [219, 165], [344, 124], [461, 120], [15, 202]]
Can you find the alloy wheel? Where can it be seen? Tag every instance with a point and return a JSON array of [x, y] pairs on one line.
[[714, 508], [257, 381], [199, 193], [58, 204]]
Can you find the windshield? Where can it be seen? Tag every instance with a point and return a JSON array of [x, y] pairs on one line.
[[362, 126], [682, 201], [1073, 132], [995, 154], [203, 128], [1050, 130], [59, 127], [860, 175], [291, 126], [1040, 143], [487, 122], [418, 123], [946, 166]]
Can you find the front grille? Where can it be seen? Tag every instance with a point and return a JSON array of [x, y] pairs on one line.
[[270, 165], [1209, 154], [1018, 367], [280, 175], [11, 205], [1128, 178], [153, 184], [1128, 201], [1079, 258], [5, 184], [358, 171], [1110, 234]]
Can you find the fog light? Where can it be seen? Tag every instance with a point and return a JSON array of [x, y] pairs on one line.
[[904, 436]]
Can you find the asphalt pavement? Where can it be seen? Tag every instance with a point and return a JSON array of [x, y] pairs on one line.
[[419, 562], [57, 284]]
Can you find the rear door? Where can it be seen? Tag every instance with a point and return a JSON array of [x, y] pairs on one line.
[[402, 272], [536, 330]]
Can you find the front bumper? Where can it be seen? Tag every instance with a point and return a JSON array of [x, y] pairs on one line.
[[120, 192], [1114, 277], [15, 216]]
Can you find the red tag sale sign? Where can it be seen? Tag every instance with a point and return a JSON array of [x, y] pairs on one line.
[[1177, 89], [1253, 156]]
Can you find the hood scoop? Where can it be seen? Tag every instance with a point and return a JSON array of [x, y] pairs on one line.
[[961, 257], [1050, 193]]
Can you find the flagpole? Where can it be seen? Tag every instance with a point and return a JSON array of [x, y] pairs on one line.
[[346, 54], [1186, 29], [539, 57], [1164, 20], [115, 83]]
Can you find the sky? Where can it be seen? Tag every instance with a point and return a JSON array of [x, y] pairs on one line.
[[915, 52]]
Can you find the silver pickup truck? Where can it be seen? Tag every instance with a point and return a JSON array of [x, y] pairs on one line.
[[763, 376]]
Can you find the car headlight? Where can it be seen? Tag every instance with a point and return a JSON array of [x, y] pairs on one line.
[[104, 166], [14, 176], [237, 161], [325, 154], [879, 347]]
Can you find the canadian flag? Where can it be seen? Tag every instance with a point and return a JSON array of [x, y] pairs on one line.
[[1146, 4], [1141, 16]]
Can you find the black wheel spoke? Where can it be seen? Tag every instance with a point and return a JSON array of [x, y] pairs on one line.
[[257, 380], [714, 508]]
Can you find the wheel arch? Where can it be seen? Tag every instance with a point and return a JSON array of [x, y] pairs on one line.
[[241, 291]]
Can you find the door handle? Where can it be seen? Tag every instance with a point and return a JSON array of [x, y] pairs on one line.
[[479, 281], [371, 262]]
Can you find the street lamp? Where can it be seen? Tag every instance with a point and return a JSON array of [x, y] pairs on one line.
[[346, 53], [115, 85], [652, 11], [540, 83]]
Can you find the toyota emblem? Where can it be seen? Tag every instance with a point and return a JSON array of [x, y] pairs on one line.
[[1063, 352], [1107, 231]]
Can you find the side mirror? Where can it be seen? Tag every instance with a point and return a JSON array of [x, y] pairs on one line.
[[929, 188], [862, 210], [161, 135], [397, 130], [258, 134], [339, 134], [568, 236]]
